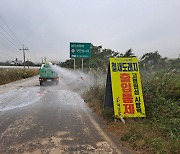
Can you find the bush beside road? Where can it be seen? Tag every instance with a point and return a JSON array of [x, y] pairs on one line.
[[8, 75]]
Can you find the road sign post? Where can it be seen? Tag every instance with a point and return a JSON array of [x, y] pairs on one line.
[[82, 65], [80, 50], [74, 63]]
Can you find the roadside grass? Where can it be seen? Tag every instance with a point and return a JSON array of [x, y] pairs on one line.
[[95, 98], [9, 75], [159, 132]]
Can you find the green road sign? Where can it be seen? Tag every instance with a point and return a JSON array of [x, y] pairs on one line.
[[80, 50]]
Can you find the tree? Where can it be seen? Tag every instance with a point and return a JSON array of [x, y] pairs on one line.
[[129, 53], [29, 63], [99, 59], [153, 57], [152, 60]]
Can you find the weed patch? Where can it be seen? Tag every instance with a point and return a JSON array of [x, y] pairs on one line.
[[10, 75], [159, 131], [95, 98]]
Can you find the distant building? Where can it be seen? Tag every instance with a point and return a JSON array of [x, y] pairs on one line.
[[16, 63]]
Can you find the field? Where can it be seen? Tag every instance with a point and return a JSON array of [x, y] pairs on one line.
[[159, 132], [8, 75]]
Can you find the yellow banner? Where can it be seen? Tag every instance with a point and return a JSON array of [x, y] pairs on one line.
[[126, 88]]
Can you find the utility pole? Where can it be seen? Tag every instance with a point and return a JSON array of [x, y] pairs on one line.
[[28, 62], [23, 49], [16, 61]]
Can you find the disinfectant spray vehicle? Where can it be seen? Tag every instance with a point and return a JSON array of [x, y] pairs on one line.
[[47, 74]]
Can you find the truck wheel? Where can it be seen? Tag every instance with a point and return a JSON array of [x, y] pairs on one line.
[[41, 83]]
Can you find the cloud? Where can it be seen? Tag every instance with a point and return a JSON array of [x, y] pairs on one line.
[[47, 27]]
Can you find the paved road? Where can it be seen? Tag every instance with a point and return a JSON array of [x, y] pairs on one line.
[[48, 119]]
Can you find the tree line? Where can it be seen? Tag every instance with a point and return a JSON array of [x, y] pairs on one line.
[[151, 61]]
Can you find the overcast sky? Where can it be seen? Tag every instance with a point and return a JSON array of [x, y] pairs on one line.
[[47, 26]]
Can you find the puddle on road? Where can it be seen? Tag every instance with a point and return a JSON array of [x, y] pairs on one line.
[[17, 98]]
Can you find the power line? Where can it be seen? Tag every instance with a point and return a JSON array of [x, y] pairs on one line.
[[9, 41], [10, 29], [23, 49], [10, 35], [6, 54]]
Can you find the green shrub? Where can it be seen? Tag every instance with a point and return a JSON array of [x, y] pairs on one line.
[[159, 131]]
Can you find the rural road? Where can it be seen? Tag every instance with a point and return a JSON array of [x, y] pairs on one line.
[[48, 119]]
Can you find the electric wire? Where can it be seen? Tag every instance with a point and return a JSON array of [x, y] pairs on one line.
[[14, 45], [9, 41], [10, 35], [6, 54], [10, 30], [28, 57]]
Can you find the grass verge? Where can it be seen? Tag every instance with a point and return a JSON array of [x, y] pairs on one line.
[[159, 132], [9, 75]]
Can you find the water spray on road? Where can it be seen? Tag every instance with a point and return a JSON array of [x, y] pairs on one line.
[[18, 98], [78, 80]]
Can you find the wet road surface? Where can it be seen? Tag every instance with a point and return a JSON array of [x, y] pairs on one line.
[[48, 119]]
